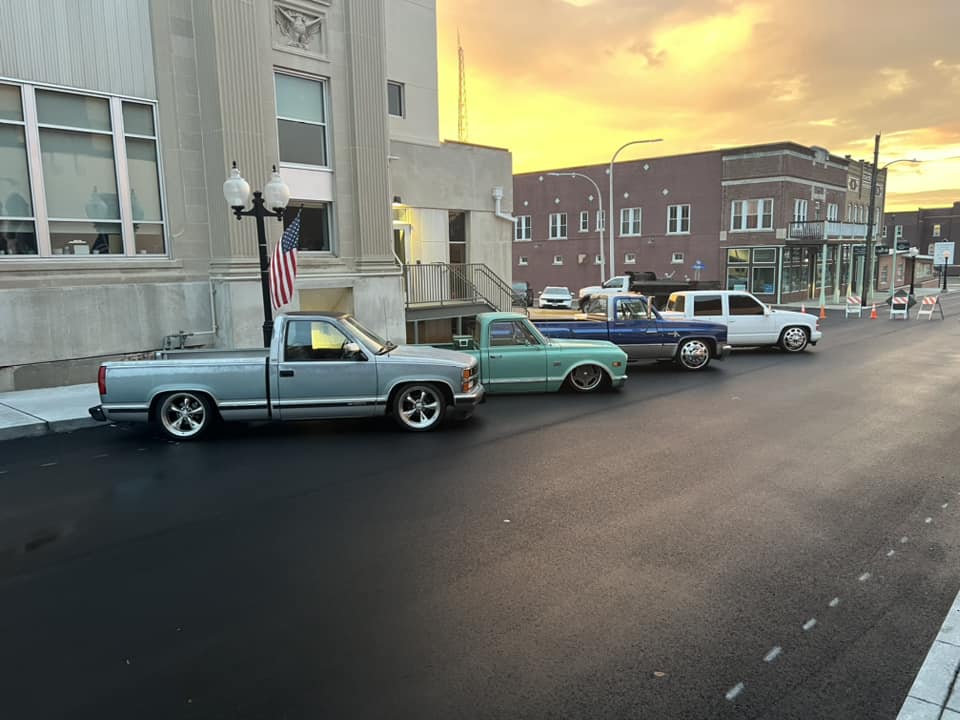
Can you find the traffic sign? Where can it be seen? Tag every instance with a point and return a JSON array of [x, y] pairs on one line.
[[881, 250], [941, 248], [698, 265], [903, 246]]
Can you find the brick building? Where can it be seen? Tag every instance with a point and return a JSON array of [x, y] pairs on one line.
[[783, 220], [923, 227]]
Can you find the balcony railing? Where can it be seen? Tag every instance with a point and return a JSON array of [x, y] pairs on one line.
[[823, 230], [444, 284]]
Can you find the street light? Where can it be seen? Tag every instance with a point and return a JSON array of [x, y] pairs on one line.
[[275, 195], [610, 173], [946, 256], [913, 252], [599, 209]]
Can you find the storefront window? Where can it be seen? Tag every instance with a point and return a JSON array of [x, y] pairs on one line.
[[764, 281], [737, 278], [738, 255]]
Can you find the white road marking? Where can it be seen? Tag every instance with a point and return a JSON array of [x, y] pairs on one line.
[[809, 623], [864, 577], [834, 602], [49, 464], [506, 521], [772, 655], [735, 397], [140, 449], [928, 520], [734, 691], [101, 455], [890, 553], [904, 540], [3, 472], [944, 506]]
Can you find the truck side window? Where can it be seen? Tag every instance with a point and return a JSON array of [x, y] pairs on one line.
[[631, 309], [710, 305], [744, 305], [676, 303], [597, 306], [310, 341], [510, 332]]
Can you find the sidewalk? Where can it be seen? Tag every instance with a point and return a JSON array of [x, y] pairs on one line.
[[28, 413], [934, 694]]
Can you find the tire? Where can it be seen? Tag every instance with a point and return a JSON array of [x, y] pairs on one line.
[[419, 407], [693, 354], [794, 339], [185, 415], [586, 379]]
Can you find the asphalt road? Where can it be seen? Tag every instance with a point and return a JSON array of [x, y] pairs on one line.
[[632, 555]]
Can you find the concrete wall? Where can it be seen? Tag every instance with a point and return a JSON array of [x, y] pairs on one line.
[[411, 33]]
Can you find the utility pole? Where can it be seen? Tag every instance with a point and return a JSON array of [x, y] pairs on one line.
[[867, 281], [462, 95]]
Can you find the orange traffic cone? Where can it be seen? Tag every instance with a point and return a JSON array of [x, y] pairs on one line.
[[873, 312], [803, 308], [823, 313]]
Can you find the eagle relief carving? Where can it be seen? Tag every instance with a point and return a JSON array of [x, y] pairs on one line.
[[298, 28]]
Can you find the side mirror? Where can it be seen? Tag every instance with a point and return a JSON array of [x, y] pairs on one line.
[[767, 310], [351, 350]]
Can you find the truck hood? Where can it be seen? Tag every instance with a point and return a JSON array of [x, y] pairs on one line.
[[424, 353], [580, 344], [794, 316]]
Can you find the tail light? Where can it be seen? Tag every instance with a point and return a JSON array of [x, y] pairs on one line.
[[818, 323], [102, 380]]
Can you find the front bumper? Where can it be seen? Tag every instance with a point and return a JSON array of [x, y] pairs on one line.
[[465, 403], [558, 305], [723, 351], [96, 412]]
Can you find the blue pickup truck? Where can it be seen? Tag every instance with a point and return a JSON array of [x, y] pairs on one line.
[[631, 322]]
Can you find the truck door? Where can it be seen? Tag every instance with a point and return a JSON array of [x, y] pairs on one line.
[[517, 360], [318, 378], [749, 321], [640, 337]]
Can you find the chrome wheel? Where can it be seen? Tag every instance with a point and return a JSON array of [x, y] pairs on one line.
[[184, 415], [694, 355], [419, 407], [794, 339], [586, 378]]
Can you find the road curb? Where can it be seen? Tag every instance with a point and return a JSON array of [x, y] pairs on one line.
[[935, 693], [44, 427]]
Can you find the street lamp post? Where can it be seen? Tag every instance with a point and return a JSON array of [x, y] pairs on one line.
[[599, 210], [913, 267], [946, 256], [275, 195], [610, 192]]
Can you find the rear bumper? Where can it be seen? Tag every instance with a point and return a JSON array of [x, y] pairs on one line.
[[723, 351], [96, 412]]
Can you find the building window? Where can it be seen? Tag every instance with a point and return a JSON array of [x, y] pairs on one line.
[[677, 258], [584, 220], [630, 259], [630, 221], [314, 225], [752, 214], [833, 212], [764, 281], [395, 98], [598, 260], [521, 231], [301, 120], [936, 230], [799, 210], [678, 219], [765, 255], [523, 260], [558, 226], [558, 259], [898, 232], [601, 220], [738, 255], [96, 160]]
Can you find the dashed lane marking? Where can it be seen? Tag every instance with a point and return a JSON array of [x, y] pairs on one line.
[[772, 655], [49, 464], [904, 540], [101, 455], [928, 520], [864, 577], [734, 691], [944, 506], [890, 553], [808, 625], [834, 602]]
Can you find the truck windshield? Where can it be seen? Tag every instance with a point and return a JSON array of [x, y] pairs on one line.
[[614, 282], [368, 337]]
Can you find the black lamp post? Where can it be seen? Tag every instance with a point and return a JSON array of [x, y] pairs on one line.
[[913, 267], [945, 256], [275, 195]]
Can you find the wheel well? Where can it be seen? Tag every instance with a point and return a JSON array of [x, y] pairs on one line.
[[158, 398], [607, 375], [711, 343], [805, 329], [444, 388]]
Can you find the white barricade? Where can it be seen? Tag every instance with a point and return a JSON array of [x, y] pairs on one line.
[[928, 305], [899, 306], [853, 306]]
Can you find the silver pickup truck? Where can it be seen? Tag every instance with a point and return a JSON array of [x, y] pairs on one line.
[[318, 365]]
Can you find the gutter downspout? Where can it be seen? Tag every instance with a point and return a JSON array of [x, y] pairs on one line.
[[497, 193]]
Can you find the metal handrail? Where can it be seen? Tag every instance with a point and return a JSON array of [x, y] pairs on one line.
[[458, 283]]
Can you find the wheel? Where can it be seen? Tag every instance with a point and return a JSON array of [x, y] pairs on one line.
[[419, 407], [586, 378], [185, 415], [794, 339], [693, 354]]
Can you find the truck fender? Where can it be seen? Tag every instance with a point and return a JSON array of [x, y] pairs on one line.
[[185, 387], [581, 363], [442, 382]]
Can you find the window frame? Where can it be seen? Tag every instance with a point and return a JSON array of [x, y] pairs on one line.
[[403, 98], [584, 221], [558, 227], [558, 257], [675, 224], [801, 210], [675, 260], [629, 258], [744, 216], [523, 260], [327, 145], [632, 218], [601, 220], [936, 230], [118, 136], [520, 227]]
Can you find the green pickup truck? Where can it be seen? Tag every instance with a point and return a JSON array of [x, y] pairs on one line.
[[515, 357]]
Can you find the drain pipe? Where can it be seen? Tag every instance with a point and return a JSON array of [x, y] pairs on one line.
[[498, 197]]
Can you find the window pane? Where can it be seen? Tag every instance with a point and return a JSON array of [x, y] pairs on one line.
[[302, 143], [148, 239], [312, 341], [395, 99], [764, 280], [82, 238], [56, 108], [137, 119], [17, 237], [144, 184], [709, 305], [314, 226], [78, 174], [745, 305], [299, 98], [14, 178], [765, 255], [738, 255], [737, 278], [10, 103]]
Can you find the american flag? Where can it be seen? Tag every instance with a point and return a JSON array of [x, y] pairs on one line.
[[283, 267]]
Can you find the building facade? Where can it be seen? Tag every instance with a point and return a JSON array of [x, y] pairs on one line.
[[923, 228], [118, 129], [775, 219]]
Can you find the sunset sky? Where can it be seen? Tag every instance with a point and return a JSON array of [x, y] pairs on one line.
[[565, 82]]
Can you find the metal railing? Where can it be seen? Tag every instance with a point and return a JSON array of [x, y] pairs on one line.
[[820, 230], [446, 284]]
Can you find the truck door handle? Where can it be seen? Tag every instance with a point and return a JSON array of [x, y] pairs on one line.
[[495, 357], [286, 373]]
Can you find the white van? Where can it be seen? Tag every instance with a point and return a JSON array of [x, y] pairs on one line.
[[749, 321]]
